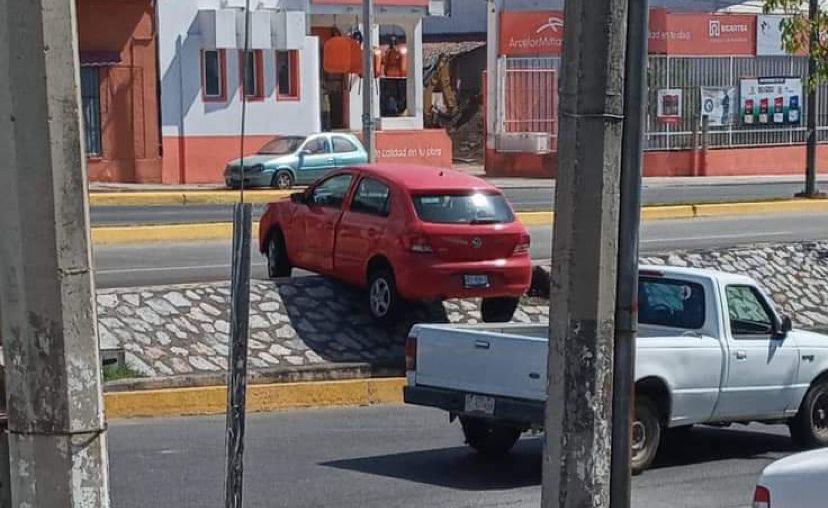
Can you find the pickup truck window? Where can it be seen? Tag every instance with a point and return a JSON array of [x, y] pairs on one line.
[[331, 193], [463, 209], [372, 198], [672, 303], [749, 313]]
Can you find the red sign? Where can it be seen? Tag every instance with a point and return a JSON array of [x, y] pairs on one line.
[[701, 34], [531, 33]]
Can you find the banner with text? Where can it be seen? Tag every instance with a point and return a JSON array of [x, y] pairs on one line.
[[701, 34], [717, 104], [531, 33], [771, 101]]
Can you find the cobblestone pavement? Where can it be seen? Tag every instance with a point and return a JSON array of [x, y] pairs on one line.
[[183, 330], [315, 322]]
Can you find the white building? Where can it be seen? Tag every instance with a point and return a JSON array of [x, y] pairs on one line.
[[200, 54]]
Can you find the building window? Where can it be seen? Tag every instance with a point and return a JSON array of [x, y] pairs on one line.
[[213, 78], [250, 70], [287, 74], [91, 104]]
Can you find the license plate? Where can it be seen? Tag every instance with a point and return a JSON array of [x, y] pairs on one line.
[[480, 404], [476, 281]]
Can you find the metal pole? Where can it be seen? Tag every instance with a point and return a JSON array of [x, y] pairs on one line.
[[811, 148], [626, 311], [368, 79], [577, 455], [237, 374], [56, 429]]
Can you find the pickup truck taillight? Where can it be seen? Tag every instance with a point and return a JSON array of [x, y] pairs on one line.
[[761, 499], [418, 244], [523, 245], [411, 354]]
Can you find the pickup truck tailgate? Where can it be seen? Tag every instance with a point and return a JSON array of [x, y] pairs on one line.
[[493, 360]]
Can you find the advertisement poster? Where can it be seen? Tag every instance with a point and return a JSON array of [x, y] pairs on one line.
[[771, 101], [717, 104], [531, 33], [669, 106]]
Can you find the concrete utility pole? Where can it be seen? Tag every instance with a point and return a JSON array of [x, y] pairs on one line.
[[368, 78], [576, 465], [55, 406]]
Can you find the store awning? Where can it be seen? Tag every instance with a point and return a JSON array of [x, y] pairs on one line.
[[99, 58]]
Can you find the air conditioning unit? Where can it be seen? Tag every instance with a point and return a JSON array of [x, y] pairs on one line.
[[524, 142]]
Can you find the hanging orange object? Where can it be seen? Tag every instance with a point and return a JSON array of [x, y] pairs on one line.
[[357, 63], [337, 55], [396, 61]]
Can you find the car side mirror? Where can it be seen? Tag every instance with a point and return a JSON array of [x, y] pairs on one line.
[[787, 325], [298, 198]]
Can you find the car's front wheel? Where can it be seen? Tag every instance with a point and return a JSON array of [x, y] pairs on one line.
[[498, 310], [489, 438], [278, 264], [283, 179], [383, 300], [809, 428], [646, 434]]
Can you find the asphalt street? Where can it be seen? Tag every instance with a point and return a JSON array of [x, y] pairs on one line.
[[176, 263], [396, 456], [523, 199]]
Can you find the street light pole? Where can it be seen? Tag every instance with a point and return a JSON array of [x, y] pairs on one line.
[[810, 154], [368, 79]]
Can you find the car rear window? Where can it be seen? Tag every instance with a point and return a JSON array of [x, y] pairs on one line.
[[463, 209], [669, 302]]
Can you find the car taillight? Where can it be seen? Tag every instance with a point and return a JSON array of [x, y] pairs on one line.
[[418, 244], [761, 499], [523, 245], [411, 354]]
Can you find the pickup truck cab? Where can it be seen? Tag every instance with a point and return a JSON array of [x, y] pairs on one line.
[[711, 349]]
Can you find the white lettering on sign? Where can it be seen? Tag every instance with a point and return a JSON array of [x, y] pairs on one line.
[[409, 153], [717, 28]]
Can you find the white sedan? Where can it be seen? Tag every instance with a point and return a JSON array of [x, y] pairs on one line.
[[797, 481]]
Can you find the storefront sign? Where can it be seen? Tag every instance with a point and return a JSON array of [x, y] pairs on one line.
[[430, 147], [717, 105], [669, 106], [771, 101], [701, 34], [531, 33]]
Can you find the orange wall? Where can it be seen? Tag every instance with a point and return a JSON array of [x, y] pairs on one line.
[[128, 90], [771, 160]]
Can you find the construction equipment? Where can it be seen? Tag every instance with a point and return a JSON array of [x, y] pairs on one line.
[[440, 108]]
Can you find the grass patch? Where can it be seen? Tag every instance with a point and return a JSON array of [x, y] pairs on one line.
[[116, 372]]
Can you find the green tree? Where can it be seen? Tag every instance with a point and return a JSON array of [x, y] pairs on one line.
[[800, 32]]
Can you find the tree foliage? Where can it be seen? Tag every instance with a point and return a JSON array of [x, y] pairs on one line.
[[797, 29]]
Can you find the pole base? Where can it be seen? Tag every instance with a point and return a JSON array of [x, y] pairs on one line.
[[815, 195]]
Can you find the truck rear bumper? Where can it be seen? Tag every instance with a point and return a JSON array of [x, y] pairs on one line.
[[528, 412]]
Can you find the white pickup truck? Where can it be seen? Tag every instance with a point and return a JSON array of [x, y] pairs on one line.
[[711, 349]]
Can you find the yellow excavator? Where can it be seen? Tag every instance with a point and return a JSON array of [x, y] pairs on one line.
[[437, 80]]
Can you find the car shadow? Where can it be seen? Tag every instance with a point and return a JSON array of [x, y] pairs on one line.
[[456, 468], [710, 444], [461, 468], [332, 319]]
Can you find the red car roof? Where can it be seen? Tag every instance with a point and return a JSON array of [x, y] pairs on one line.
[[426, 178]]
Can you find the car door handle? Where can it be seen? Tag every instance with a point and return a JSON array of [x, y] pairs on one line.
[[482, 344], [741, 355], [372, 233]]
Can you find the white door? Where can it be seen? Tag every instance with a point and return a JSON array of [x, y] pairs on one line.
[[763, 363]]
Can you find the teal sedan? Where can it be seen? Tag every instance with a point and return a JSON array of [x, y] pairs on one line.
[[286, 161]]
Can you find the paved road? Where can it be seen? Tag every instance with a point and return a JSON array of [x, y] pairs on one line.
[[524, 199], [399, 456], [153, 264]]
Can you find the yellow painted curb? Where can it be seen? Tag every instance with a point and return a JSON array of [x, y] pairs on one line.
[[649, 213], [270, 397], [536, 218], [176, 198], [762, 208], [110, 235]]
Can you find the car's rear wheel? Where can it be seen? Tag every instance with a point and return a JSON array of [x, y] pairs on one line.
[[489, 438], [498, 310], [283, 179], [383, 300], [278, 264], [646, 434], [809, 428]]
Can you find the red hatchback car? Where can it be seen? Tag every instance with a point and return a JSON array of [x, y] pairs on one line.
[[404, 232]]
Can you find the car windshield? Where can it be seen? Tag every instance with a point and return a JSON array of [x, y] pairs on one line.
[[477, 208], [282, 146]]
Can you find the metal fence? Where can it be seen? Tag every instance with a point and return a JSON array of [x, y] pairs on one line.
[[687, 74]]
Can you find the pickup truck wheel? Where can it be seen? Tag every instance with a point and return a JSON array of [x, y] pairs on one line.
[[277, 260], [646, 434], [490, 439], [498, 310], [809, 428], [282, 180], [383, 299]]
